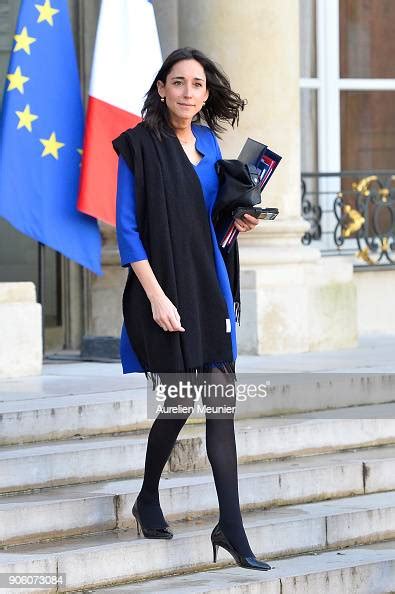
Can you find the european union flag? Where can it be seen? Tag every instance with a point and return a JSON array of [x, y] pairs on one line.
[[41, 135]]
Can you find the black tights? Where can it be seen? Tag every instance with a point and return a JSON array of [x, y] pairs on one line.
[[222, 455]]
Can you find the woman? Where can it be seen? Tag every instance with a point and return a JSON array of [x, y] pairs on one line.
[[178, 302]]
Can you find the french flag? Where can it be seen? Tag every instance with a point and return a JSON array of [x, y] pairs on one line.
[[126, 59]]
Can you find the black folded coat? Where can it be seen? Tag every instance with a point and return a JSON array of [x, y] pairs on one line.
[[239, 186]]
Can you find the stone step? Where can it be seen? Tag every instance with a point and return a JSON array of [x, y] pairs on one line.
[[367, 569], [110, 558], [63, 417], [65, 406], [64, 511], [82, 460]]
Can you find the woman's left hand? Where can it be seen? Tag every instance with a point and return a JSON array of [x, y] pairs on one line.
[[247, 223]]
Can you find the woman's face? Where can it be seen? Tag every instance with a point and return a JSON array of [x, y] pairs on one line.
[[185, 90]]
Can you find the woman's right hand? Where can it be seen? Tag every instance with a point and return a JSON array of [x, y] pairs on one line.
[[165, 314]]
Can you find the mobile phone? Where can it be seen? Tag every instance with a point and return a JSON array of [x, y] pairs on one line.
[[257, 212]]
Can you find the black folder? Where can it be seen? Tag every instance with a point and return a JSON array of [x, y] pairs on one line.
[[251, 151]]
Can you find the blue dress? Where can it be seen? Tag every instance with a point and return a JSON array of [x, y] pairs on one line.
[[131, 248]]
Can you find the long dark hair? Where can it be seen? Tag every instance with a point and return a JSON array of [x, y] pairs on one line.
[[223, 104]]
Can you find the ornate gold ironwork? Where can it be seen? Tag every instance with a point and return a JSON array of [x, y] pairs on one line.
[[356, 221], [364, 255], [362, 187], [365, 215]]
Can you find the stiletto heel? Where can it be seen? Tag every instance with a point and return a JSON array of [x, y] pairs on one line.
[[150, 532], [215, 549], [218, 539], [137, 527]]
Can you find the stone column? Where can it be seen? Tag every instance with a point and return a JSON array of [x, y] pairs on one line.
[[293, 300], [21, 330], [105, 303]]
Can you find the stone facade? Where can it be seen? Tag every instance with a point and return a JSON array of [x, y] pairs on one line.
[[293, 300]]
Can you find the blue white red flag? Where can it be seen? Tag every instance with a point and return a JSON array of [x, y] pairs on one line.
[[126, 60]]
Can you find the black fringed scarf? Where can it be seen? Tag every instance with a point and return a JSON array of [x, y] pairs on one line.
[[173, 223]]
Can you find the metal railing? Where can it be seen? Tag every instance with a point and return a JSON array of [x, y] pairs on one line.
[[351, 213]]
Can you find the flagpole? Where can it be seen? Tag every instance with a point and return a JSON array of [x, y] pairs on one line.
[[41, 288]]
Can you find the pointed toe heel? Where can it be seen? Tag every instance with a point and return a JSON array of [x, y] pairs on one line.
[[165, 533], [254, 563], [218, 539]]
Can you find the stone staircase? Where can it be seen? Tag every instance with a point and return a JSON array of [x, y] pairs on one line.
[[317, 487]]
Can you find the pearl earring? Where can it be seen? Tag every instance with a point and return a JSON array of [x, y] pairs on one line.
[[162, 99]]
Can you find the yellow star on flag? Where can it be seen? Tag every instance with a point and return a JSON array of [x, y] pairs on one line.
[[17, 80], [26, 118], [46, 12], [23, 41], [51, 146]]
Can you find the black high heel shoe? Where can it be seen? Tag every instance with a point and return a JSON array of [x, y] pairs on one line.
[[150, 532], [218, 539]]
